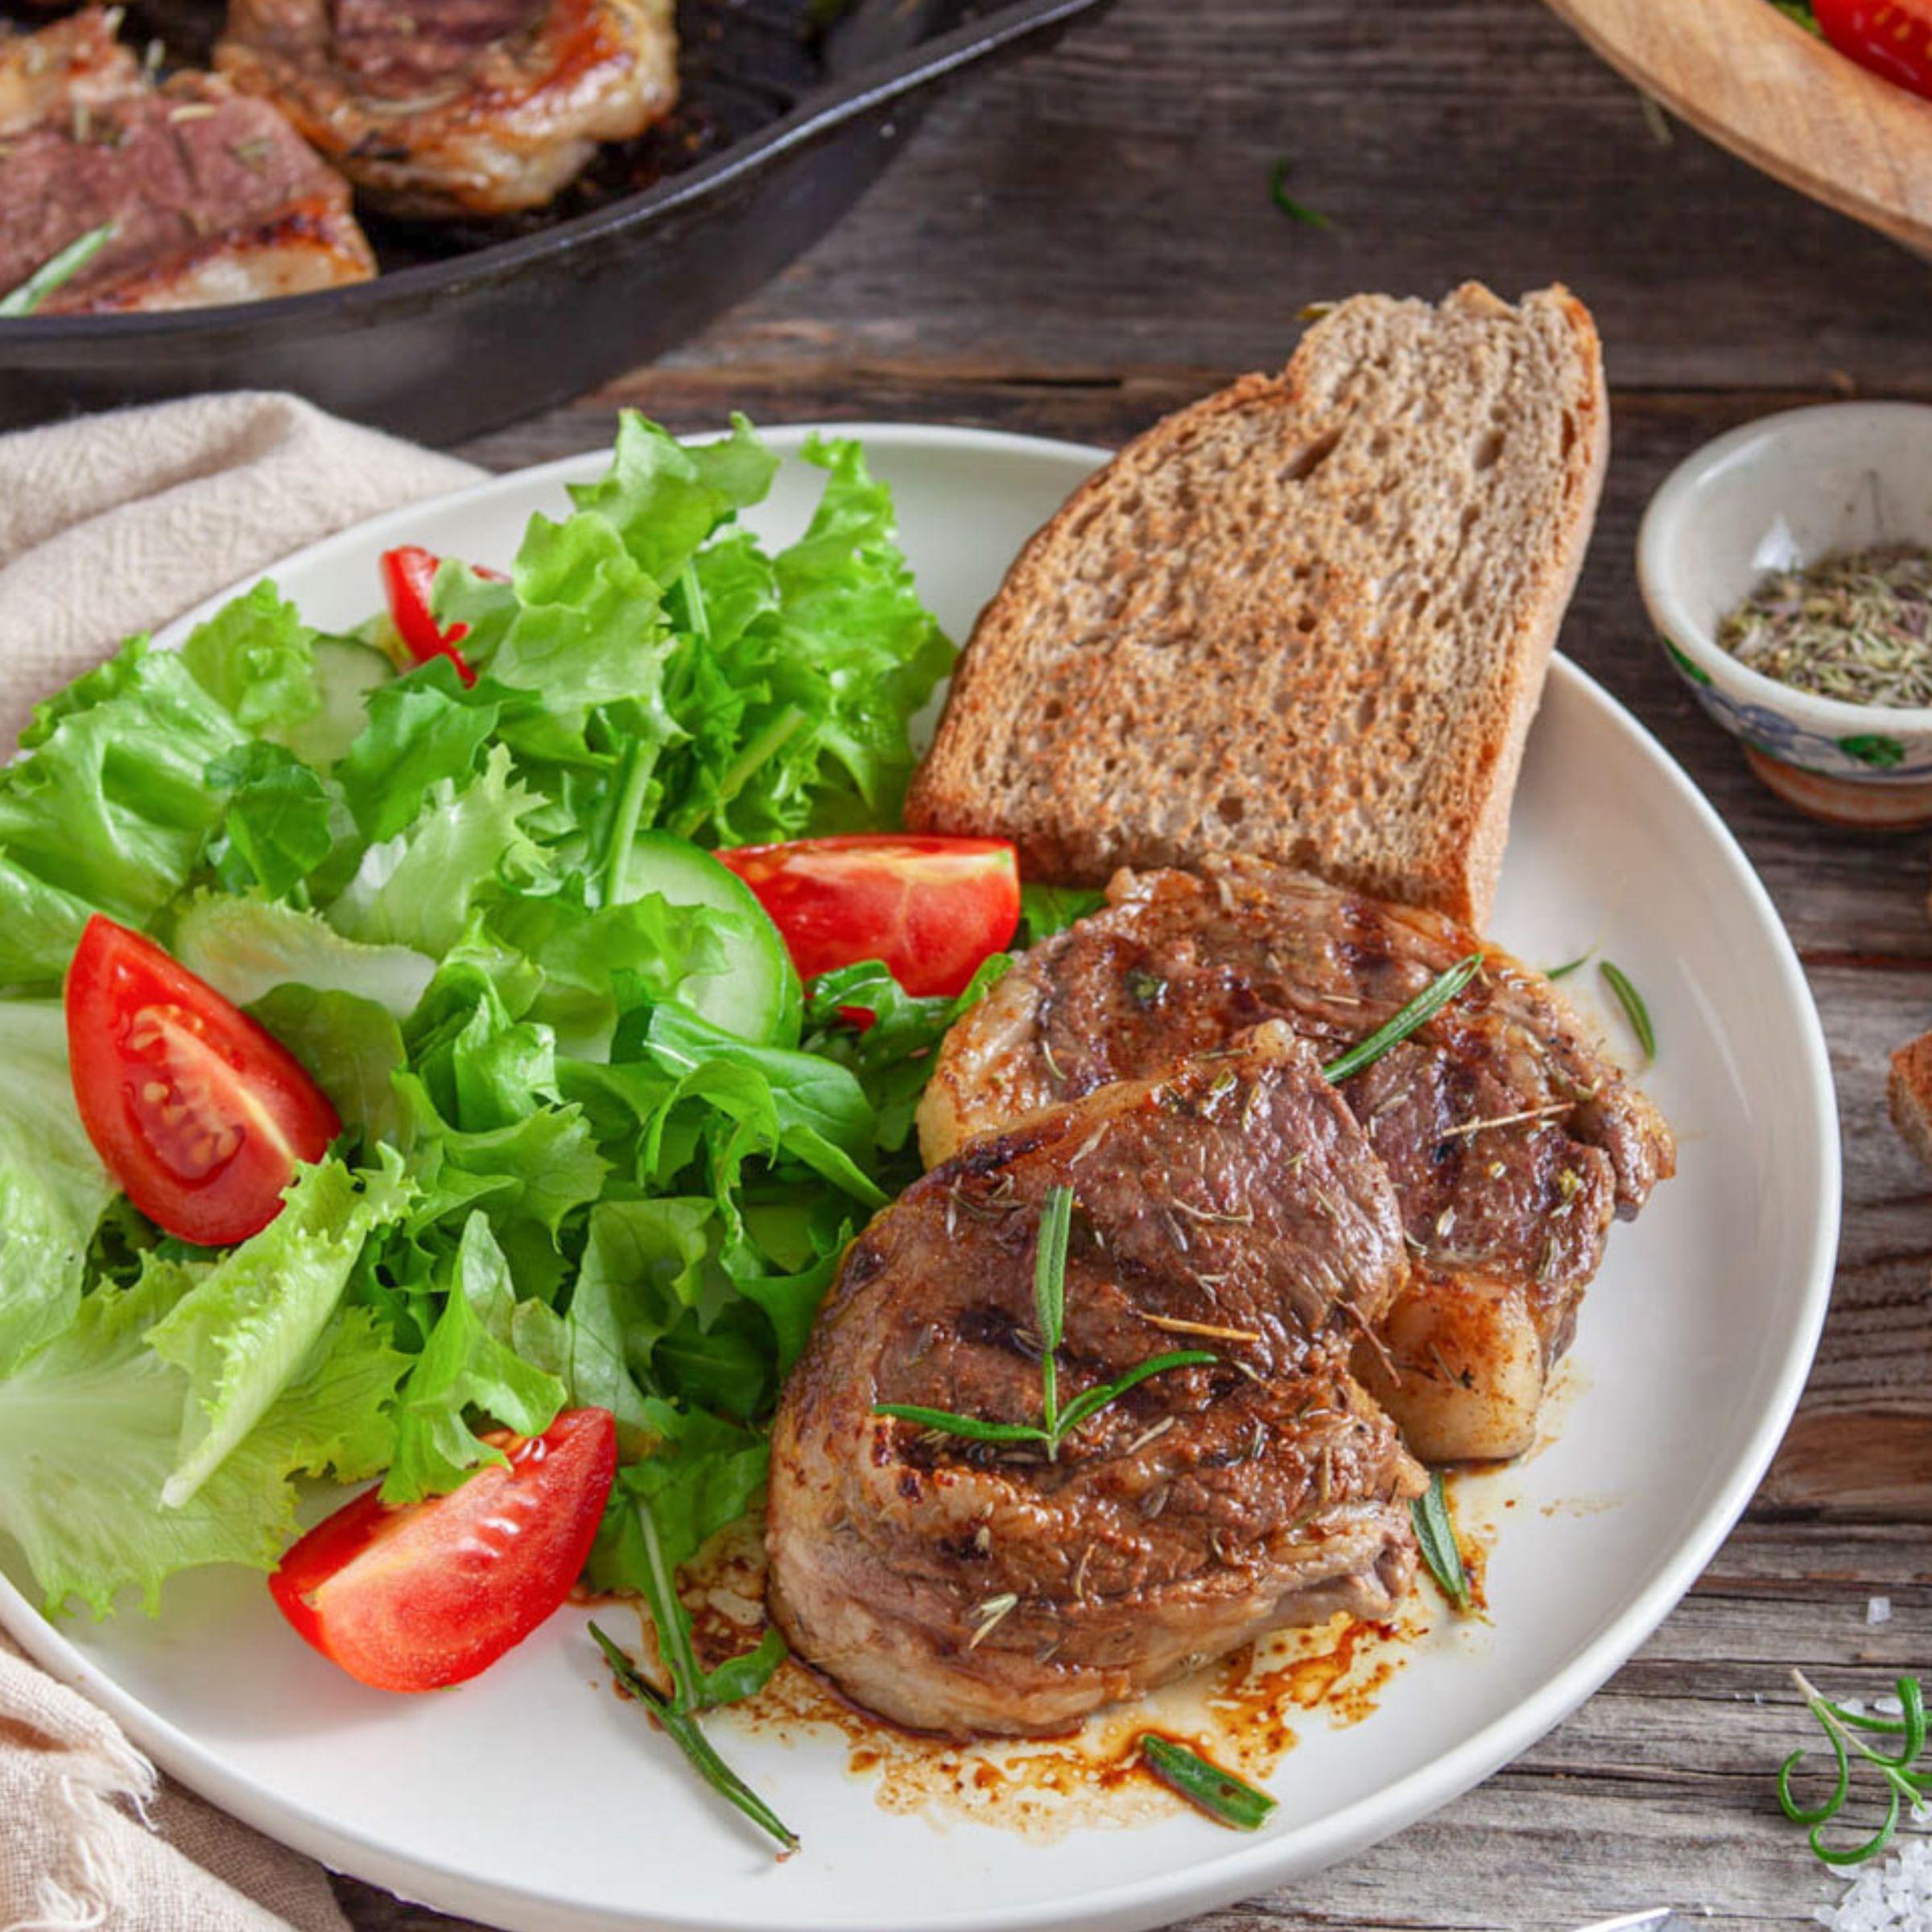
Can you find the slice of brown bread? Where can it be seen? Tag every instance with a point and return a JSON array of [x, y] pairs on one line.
[[1908, 1089], [1307, 617]]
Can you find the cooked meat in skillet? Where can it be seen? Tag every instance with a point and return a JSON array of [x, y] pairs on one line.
[[439, 107], [962, 1586], [1506, 1222], [214, 197], [62, 71]]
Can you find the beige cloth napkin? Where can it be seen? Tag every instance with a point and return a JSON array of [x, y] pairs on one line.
[[109, 524], [114, 524]]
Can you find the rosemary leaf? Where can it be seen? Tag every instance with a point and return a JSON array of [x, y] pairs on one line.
[[54, 274], [1435, 1533], [976, 1428], [682, 1727], [1904, 1786], [1294, 210], [1227, 1799], [1570, 966], [1049, 1297], [1635, 1011], [1419, 1011], [1095, 1400]]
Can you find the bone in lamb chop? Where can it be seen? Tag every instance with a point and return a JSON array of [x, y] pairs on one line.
[[214, 197], [959, 1586], [441, 107], [1511, 1141]]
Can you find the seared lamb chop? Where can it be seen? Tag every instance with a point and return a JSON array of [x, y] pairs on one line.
[[441, 107], [1511, 1141], [214, 197], [66, 69], [965, 1586]]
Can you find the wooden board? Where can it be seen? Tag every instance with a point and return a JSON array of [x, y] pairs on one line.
[[1742, 72]]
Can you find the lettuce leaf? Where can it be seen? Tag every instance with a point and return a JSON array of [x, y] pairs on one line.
[[108, 810], [244, 1330], [53, 1189], [90, 1427], [256, 658], [245, 948]]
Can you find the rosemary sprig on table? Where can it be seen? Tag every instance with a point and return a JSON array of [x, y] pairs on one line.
[[1050, 1301], [1294, 210], [1841, 1727], [1226, 1798], [1435, 1536], [52, 274], [692, 1687]]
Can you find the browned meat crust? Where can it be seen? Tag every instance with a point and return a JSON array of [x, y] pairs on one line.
[[454, 106], [1511, 1141], [214, 196], [958, 1586]]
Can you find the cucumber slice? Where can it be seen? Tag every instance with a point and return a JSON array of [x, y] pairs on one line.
[[757, 996], [346, 672]]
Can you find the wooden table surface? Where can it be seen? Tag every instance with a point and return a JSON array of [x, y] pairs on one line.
[[1083, 241]]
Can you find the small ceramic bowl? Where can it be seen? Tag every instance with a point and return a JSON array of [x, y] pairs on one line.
[[1786, 490]]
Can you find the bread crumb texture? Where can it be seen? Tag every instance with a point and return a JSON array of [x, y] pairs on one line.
[[1307, 617]]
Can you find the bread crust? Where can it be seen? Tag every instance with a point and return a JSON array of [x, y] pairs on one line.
[[1308, 616]]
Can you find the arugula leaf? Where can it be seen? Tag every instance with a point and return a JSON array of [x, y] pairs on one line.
[[423, 731], [352, 1049], [467, 1362], [1045, 909], [247, 1328], [277, 828]]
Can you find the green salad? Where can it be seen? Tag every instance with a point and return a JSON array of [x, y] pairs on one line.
[[599, 1147]]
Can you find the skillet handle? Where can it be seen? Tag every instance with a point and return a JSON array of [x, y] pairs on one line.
[[882, 85]]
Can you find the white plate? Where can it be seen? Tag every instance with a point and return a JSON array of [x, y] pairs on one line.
[[531, 1801]]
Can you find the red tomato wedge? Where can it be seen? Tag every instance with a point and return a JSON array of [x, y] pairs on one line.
[[931, 909], [1892, 37], [408, 572], [417, 1596], [199, 1114]]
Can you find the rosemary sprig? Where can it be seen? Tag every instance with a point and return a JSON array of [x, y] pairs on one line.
[[1050, 1304], [1419, 1011], [1841, 1727], [1226, 1798], [682, 1725], [1635, 1011], [56, 272], [692, 1687], [1294, 210], [1435, 1535]]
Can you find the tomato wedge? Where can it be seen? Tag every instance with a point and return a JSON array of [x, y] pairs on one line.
[[931, 909], [408, 572], [199, 1114], [1892, 37], [417, 1596]]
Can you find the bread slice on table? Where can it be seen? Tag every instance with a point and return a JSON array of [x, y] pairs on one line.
[[1908, 1089], [1307, 617]]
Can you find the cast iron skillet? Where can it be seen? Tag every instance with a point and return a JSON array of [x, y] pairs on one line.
[[797, 126]]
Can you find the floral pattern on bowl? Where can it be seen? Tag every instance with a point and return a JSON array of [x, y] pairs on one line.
[[1880, 756]]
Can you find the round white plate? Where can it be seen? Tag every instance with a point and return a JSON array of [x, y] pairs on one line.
[[532, 1801]]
